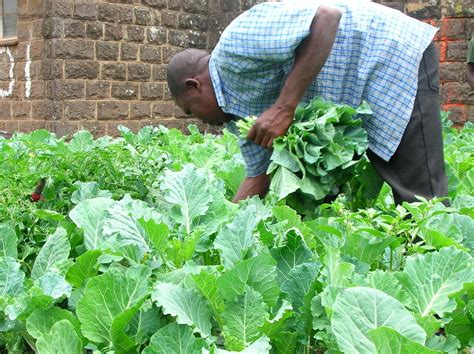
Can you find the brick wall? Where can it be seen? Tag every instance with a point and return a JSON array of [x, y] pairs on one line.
[[96, 64]]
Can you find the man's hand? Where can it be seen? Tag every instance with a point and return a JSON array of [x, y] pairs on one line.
[[272, 123], [251, 186]]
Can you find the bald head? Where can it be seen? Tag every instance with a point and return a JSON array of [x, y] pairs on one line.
[[184, 65]]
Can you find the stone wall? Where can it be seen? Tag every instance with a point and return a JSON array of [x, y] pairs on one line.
[[96, 64]]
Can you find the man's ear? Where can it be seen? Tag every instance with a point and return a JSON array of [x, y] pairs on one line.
[[192, 83]]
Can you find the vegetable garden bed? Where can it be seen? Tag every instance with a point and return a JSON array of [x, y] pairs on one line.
[[133, 246]]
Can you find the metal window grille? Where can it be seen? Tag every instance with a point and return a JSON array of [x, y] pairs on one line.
[[8, 16]]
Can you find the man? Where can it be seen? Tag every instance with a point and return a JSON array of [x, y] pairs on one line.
[[279, 54], [470, 63]]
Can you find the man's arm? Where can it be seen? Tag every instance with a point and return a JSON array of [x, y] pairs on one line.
[[310, 57], [251, 186], [470, 63], [470, 74]]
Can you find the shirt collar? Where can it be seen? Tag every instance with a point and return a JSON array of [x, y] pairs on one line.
[[216, 83]]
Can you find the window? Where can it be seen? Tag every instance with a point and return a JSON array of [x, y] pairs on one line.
[[7, 20]]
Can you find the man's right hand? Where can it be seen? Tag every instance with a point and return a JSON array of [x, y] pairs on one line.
[[251, 186]]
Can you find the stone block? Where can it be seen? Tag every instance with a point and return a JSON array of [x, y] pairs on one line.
[[85, 9], [169, 52], [129, 52], [68, 90], [38, 50], [42, 109], [26, 30], [156, 35], [57, 112], [397, 5], [458, 113], [451, 71], [457, 92], [113, 71], [9, 126], [52, 28], [169, 19], [74, 29], [159, 4], [168, 96], [140, 110], [29, 126], [230, 5], [113, 32], [95, 30], [59, 8], [72, 49], [139, 72], [81, 69], [450, 28], [96, 128], [186, 39], [21, 109], [193, 22], [143, 16], [150, 54], [97, 90], [36, 8], [159, 72], [135, 33], [457, 51], [174, 4], [79, 110], [112, 110], [459, 8], [112, 127], [107, 50], [125, 91], [424, 10], [163, 109], [52, 69], [5, 110], [126, 15], [38, 90], [152, 91], [171, 123], [63, 128], [108, 12], [197, 6], [215, 6]]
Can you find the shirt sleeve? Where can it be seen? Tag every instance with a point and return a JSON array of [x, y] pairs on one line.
[[257, 158], [269, 31], [470, 52]]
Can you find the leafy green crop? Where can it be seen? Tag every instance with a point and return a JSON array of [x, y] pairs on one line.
[[134, 247], [318, 154]]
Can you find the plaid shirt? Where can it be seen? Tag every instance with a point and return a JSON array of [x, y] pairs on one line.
[[375, 57]]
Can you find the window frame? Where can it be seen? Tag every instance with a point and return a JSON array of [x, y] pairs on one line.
[[12, 40]]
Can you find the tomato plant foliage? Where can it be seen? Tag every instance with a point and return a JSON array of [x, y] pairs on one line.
[[134, 246]]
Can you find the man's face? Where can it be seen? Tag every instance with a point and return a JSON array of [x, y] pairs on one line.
[[202, 103]]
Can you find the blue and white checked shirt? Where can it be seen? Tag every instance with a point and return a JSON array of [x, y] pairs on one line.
[[375, 57]]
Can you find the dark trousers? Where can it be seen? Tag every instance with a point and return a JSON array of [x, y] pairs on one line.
[[417, 167]]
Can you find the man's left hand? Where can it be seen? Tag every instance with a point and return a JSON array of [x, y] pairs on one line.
[[274, 122]]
